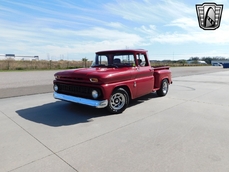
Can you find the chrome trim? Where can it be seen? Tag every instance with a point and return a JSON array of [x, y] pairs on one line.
[[89, 102]]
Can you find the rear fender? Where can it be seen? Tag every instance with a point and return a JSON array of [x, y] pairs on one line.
[[161, 75]]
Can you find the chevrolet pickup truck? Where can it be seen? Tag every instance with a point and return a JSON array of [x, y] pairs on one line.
[[114, 78]]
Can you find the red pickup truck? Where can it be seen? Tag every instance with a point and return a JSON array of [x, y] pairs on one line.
[[115, 77]]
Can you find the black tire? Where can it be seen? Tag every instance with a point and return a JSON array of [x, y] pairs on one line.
[[118, 102], [164, 88]]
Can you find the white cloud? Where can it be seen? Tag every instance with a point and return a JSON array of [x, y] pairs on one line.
[[225, 16], [132, 10], [147, 11], [185, 23], [115, 25], [147, 30], [219, 36]]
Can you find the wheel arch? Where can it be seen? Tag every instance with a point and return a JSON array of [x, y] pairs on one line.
[[126, 88], [166, 78]]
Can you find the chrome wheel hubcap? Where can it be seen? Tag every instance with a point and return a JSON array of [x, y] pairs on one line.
[[117, 101], [165, 87]]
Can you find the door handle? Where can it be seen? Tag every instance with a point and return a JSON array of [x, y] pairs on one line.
[[137, 68]]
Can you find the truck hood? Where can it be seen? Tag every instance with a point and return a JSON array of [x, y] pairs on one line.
[[104, 75]]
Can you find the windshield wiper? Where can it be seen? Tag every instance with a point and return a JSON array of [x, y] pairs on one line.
[[99, 65], [103, 65], [112, 65]]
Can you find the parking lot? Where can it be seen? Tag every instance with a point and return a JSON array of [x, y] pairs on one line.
[[187, 130]]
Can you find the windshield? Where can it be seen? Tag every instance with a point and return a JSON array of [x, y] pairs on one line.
[[114, 60]]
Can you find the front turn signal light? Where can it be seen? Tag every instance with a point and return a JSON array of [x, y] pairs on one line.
[[94, 79]]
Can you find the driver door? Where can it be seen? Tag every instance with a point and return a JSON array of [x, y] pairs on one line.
[[144, 76]]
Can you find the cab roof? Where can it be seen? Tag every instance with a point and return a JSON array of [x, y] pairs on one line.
[[122, 51]]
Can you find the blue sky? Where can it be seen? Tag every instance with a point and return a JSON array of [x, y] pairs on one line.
[[74, 29]]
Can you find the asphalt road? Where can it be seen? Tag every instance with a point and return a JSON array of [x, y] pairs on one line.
[[185, 131], [35, 82]]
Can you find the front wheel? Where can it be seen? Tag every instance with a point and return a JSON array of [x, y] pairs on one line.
[[118, 101], [164, 88]]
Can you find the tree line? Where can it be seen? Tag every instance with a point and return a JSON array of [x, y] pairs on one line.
[[208, 60]]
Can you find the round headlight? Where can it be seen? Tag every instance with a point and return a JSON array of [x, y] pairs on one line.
[[57, 76], [55, 87], [94, 94]]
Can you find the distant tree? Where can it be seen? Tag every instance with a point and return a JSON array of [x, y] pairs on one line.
[[84, 61], [219, 58], [167, 61], [208, 60], [194, 58], [182, 61]]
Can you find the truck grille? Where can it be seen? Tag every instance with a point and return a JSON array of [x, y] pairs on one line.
[[77, 90]]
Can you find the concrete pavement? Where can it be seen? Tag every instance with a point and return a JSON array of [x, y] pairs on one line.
[[185, 131]]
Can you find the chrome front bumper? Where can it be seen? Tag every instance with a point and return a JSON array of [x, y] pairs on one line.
[[89, 102]]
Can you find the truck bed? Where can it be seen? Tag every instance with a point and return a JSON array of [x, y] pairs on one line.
[[159, 67]]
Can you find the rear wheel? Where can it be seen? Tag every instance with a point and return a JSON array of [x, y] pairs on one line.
[[164, 88], [118, 101]]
